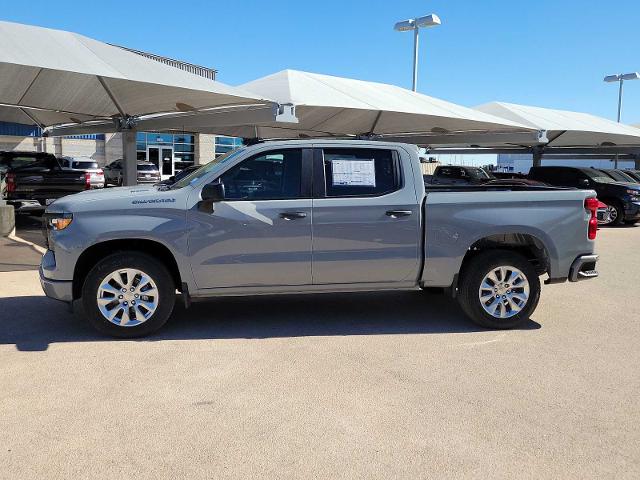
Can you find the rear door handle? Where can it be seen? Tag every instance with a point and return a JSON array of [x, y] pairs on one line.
[[398, 213], [292, 215]]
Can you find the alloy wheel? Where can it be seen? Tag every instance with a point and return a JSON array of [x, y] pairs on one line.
[[504, 291], [127, 297]]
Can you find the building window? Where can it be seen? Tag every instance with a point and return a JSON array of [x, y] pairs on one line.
[[183, 146], [226, 144]]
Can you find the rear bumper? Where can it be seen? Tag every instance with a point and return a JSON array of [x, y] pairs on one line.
[[57, 289], [583, 268]]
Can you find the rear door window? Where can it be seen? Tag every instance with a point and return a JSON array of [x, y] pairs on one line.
[[356, 172]]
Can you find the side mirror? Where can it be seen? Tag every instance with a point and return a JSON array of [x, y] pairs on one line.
[[211, 193]]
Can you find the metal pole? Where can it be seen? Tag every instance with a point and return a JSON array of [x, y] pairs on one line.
[[620, 99], [415, 58], [621, 81], [129, 160]]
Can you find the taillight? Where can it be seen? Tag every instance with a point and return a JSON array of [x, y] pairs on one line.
[[87, 180], [11, 182], [591, 204]]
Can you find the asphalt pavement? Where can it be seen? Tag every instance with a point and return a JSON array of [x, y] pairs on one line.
[[370, 385]]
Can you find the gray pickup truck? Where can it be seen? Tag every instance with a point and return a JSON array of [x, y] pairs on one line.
[[313, 216]]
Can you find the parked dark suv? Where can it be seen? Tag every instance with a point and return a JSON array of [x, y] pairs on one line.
[[622, 198]]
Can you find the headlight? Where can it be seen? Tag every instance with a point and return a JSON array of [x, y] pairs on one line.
[[635, 193], [58, 221]]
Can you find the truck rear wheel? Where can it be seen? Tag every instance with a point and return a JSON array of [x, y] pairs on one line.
[[499, 289], [128, 294]]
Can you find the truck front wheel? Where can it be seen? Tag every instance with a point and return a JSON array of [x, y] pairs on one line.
[[499, 289], [128, 294]]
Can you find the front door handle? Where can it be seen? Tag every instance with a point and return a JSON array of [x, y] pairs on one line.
[[398, 213], [292, 215]]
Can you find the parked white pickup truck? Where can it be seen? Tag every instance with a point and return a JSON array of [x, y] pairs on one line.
[[313, 216]]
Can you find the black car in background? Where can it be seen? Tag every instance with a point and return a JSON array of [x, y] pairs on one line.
[[35, 179], [622, 198]]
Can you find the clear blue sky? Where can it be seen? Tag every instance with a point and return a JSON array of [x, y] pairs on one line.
[[539, 52]]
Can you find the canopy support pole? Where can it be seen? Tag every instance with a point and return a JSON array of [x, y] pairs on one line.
[[537, 156], [129, 157], [637, 162], [129, 154]]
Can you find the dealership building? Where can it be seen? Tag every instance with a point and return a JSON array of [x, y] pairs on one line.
[[171, 152]]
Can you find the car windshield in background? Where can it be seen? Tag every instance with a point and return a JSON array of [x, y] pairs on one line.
[[36, 163], [84, 165], [597, 176], [479, 174], [20, 162], [143, 167], [213, 166]]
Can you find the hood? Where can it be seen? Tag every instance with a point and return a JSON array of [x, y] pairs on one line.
[[114, 198]]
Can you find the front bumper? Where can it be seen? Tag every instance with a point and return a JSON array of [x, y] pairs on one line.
[[632, 211], [583, 268], [58, 289]]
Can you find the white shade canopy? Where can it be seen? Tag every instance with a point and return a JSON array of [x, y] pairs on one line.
[[565, 128], [335, 106], [60, 77]]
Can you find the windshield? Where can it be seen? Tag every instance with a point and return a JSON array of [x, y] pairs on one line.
[[620, 176], [84, 165], [210, 167], [597, 176]]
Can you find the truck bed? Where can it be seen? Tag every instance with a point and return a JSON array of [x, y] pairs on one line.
[[457, 217]]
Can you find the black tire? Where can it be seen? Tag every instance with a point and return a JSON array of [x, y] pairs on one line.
[[630, 222], [145, 263], [472, 276], [619, 212]]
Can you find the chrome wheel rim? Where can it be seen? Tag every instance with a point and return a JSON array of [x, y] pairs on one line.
[[612, 214], [127, 297], [504, 291]]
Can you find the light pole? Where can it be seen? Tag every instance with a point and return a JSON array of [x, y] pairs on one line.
[[416, 24], [620, 78]]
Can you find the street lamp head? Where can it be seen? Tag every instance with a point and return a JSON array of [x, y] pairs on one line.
[[420, 22], [428, 21], [405, 26], [631, 76], [622, 76]]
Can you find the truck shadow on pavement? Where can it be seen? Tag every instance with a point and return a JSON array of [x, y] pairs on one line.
[[33, 323]]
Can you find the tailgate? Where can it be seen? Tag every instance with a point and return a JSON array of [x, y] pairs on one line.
[[47, 185]]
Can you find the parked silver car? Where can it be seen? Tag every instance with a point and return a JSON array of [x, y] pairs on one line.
[[87, 165], [147, 173]]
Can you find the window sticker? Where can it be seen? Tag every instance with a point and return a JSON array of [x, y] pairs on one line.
[[360, 173]]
